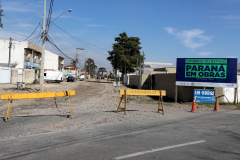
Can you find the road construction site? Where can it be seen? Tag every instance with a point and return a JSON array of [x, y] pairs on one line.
[[94, 104]]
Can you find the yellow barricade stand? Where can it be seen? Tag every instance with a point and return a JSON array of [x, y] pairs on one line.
[[12, 96], [125, 92]]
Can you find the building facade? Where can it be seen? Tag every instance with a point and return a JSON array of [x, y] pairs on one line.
[[24, 55]]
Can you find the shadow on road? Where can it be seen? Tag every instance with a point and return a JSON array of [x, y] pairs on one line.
[[31, 116]]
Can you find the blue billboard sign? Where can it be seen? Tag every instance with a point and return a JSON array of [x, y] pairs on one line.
[[207, 72], [207, 96]]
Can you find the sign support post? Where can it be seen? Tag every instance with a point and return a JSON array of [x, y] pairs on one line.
[[176, 93]]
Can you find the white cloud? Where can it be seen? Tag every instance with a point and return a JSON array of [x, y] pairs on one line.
[[204, 54], [170, 30], [190, 38]]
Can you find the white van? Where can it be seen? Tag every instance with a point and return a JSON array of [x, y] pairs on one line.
[[53, 76], [81, 78]]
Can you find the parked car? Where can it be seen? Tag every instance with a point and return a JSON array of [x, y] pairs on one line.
[[81, 78], [71, 79]]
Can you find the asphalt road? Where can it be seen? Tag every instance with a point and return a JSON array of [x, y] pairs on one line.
[[206, 135]]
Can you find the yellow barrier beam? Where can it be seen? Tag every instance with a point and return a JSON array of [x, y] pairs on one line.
[[137, 92], [37, 95], [12, 96]]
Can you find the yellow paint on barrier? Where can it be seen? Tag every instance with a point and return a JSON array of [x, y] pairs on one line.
[[137, 92], [125, 92], [37, 95]]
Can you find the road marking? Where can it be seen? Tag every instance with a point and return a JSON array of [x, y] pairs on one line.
[[158, 149]]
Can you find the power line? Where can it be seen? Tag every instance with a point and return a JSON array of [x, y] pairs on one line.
[[51, 41], [14, 32], [18, 22], [49, 16], [81, 41], [33, 31]]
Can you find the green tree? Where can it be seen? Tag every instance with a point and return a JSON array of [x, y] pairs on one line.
[[125, 53], [102, 70], [90, 67]]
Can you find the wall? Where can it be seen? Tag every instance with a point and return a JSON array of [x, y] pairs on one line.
[[230, 92], [166, 82], [51, 60], [14, 77], [171, 70], [28, 75], [145, 81], [133, 80]]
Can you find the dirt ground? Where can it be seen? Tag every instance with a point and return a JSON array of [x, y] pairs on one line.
[[95, 103]]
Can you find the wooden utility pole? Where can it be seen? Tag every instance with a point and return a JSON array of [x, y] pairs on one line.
[[10, 49], [43, 48], [77, 58], [143, 62]]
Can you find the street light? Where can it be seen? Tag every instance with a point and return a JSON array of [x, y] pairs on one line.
[[70, 10], [43, 43]]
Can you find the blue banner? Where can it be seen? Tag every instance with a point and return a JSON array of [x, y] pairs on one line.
[[207, 72], [207, 96]]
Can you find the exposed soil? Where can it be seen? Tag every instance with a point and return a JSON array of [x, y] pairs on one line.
[[95, 103]]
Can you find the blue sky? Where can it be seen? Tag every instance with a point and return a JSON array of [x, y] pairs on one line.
[[168, 29]]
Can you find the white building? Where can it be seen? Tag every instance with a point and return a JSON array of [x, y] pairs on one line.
[[26, 55]]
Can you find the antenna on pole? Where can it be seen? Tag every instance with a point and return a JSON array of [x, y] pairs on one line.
[[1, 25]]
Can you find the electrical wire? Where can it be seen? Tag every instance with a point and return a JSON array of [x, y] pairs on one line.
[[81, 41], [14, 32], [51, 42], [33, 31], [49, 16]]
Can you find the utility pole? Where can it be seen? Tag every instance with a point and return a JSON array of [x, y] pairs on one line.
[[10, 49], [143, 62], [89, 69], [43, 48], [139, 76], [85, 77], [77, 57], [141, 71], [76, 62]]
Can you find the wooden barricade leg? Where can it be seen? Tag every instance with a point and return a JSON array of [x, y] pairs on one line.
[[55, 99], [120, 103], [68, 94], [71, 111], [160, 103], [9, 108], [125, 105]]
